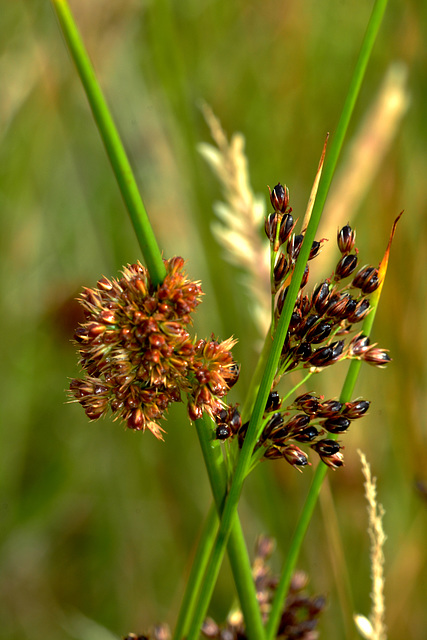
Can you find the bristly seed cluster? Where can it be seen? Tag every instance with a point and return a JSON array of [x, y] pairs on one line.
[[138, 356]]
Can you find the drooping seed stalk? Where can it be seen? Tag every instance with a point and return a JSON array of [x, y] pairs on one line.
[[230, 508]]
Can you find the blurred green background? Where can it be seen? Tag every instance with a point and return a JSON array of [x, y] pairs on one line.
[[98, 523]]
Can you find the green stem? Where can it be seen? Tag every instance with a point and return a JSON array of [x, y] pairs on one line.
[[113, 145], [237, 551], [200, 560], [230, 508]]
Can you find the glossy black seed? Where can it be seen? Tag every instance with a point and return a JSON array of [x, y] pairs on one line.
[[321, 357], [337, 349], [319, 332], [234, 420], [360, 312], [296, 319], [270, 226], [338, 305], [306, 435], [308, 402], [376, 357], [356, 409], [346, 266], [337, 424], [273, 453], [278, 436], [302, 352], [298, 422], [305, 277], [286, 226], [359, 344], [273, 401], [281, 299], [280, 269], [314, 251], [294, 246], [221, 416], [279, 197], [346, 238], [362, 276], [326, 447], [223, 432], [372, 283], [329, 409], [306, 324], [320, 297], [275, 422], [303, 304]]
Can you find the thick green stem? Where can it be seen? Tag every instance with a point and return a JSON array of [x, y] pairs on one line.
[[237, 551], [112, 142]]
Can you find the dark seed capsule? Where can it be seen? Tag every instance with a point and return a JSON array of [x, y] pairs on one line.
[[242, 433], [270, 226], [357, 409], [234, 419], [359, 344], [304, 304], [346, 238], [279, 197], [286, 227], [306, 325], [295, 456], [326, 447], [308, 402], [305, 277], [314, 251], [223, 432], [306, 435], [337, 424], [281, 299], [346, 266], [275, 422], [329, 409], [278, 436], [298, 422], [362, 276], [319, 332], [273, 453], [378, 357], [361, 311], [294, 246], [320, 297], [280, 269], [221, 416], [296, 319], [302, 352], [372, 283], [273, 401], [321, 357], [337, 349], [338, 305]]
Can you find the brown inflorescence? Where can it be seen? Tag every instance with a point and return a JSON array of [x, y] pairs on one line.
[[137, 354], [300, 615]]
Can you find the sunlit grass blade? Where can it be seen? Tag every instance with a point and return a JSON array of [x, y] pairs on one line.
[[112, 142]]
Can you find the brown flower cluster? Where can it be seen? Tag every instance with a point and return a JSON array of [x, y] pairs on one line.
[[306, 421], [318, 336], [300, 615], [321, 320], [138, 356]]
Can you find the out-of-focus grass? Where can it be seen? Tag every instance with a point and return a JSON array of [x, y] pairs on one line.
[[97, 523]]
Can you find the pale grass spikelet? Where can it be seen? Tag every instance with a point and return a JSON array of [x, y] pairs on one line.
[[374, 627], [240, 217]]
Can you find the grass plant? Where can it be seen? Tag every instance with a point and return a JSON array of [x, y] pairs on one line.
[[227, 464]]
